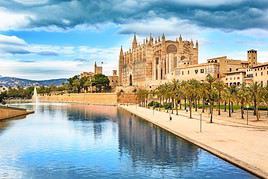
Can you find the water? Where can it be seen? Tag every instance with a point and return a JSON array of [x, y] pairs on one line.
[[78, 141]]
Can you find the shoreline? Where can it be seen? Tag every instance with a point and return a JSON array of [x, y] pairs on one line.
[[8, 112], [211, 144]]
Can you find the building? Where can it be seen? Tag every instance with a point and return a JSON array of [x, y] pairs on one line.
[[113, 79], [98, 70], [260, 74], [157, 61], [154, 60]]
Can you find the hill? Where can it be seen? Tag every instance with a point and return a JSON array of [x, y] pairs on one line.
[[13, 82]]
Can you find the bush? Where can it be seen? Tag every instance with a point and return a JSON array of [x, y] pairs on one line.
[[154, 104], [167, 105]]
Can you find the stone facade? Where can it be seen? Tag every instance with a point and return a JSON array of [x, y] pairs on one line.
[[154, 60], [157, 61], [260, 74]]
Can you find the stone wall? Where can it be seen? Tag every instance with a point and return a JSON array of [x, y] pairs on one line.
[[9, 112], [91, 98], [127, 98], [84, 98]]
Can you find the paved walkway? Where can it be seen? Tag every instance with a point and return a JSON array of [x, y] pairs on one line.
[[246, 146]]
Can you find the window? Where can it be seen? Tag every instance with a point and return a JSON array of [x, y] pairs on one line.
[[202, 71], [188, 72], [182, 72], [230, 69], [238, 78], [261, 73], [256, 74]]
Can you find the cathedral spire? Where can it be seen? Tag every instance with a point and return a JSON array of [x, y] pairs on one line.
[[180, 38], [134, 42], [163, 37], [121, 51]]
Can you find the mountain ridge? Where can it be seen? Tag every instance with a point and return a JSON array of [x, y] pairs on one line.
[[14, 82]]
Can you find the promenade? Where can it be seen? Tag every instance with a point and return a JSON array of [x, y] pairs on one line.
[[241, 144]]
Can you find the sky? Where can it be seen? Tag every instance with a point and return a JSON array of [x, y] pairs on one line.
[[48, 39]]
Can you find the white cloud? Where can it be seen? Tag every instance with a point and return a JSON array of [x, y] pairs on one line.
[[171, 26], [11, 20], [5, 39]]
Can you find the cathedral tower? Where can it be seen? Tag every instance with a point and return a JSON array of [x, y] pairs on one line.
[[252, 57]]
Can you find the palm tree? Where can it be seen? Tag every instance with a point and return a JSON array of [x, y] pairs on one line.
[[243, 97], [231, 91], [255, 92], [219, 85], [183, 91], [265, 97], [190, 88], [211, 94], [203, 94], [176, 93]]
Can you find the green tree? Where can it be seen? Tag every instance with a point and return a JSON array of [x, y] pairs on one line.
[[101, 82]]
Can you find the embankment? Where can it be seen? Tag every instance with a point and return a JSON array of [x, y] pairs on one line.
[[91, 98], [10, 112], [83, 98]]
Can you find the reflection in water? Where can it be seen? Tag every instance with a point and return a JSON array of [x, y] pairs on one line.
[[144, 141], [80, 141]]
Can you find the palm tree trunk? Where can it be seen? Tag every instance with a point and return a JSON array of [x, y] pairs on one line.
[[195, 105], [180, 104], [255, 106], [232, 107], [185, 103], [211, 112], [172, 105], [229, 107], [190, 108], [225, 103], [203, 105], [242, 110], [177, 107], [257, 113]]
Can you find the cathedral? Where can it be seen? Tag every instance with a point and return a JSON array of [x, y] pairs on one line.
[[153, 61]]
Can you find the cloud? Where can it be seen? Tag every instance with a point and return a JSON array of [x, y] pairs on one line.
[[227, 15], [11, 40], [17, 46]]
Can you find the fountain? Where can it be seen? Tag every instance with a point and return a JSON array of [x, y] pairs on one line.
[[35, 96]]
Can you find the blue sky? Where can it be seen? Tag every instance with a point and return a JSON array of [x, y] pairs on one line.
[[44, 39]]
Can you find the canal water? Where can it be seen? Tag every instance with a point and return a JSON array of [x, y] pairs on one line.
[[62, 141]]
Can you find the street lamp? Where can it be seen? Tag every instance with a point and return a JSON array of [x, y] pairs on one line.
[[247, 113]]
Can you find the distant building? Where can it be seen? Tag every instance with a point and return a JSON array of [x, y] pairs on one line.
[[113, 79], [97, 69]]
